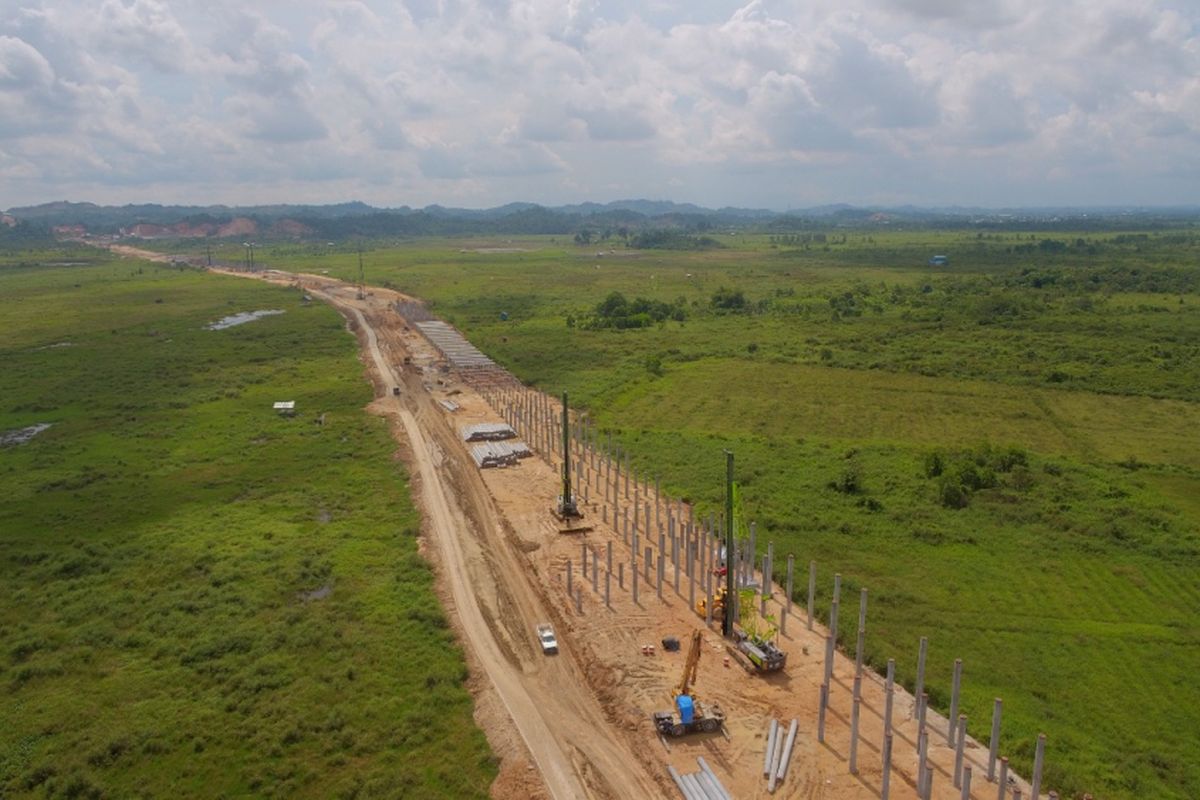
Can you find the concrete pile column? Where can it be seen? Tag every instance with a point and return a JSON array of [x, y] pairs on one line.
[[994, 744], [691, 589], [922, 761], [833, 620], [920, 687], [837, 596], [751, 553], [675, 555], [657, 522], [862, 632], [821, 711], [889, 695], [854, 712], [829, 648], [885, 779], [1035, 785], [787, 596], [762, 612], [960, 743], [955, 686], [812, 590]]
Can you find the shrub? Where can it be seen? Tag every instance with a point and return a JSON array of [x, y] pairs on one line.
[[728, 299], [850, 481], [953, 494]]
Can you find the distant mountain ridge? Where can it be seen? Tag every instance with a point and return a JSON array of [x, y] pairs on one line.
[[621, 217]]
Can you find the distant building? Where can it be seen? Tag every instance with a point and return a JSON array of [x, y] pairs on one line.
[[939, 261]]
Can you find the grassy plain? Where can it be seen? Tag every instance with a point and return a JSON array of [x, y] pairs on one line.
[[202, 598], [1067, 579]]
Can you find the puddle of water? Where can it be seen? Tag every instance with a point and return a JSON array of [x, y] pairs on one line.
[[317, 594], [241, 319], [56, 345], [22, 435]]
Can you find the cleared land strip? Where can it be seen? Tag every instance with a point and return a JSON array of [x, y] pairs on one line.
[[520, 705], [560, 721]]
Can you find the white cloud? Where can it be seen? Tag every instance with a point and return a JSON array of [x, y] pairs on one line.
[[776, 102]]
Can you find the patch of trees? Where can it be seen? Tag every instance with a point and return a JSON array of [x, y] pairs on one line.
[[618, 312], [961, 474], [24, 236], [729, 300], [1160, 280], [665, 239]]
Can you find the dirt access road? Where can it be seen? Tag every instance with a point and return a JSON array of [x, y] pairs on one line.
[[578, 726]]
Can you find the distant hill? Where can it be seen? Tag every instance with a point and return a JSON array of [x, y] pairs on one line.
[[622, 218]]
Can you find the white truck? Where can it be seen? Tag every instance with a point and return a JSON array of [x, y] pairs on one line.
[[545, 634]]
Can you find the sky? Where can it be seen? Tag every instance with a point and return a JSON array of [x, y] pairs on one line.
[[765, 104]]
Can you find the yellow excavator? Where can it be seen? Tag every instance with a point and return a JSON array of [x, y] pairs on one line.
[[693, 716], [718, 604]]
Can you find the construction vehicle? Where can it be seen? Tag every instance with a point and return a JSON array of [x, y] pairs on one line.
[[693, 716], [755, 653], [718, 604]]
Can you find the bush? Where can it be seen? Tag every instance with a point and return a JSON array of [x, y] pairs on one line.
[[615, 311], [728, 300], [850, 481], [953, 494]]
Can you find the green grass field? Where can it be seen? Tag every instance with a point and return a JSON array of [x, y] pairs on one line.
[[161, 541], [1003, 451]]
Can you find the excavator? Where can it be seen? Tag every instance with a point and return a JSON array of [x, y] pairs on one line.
[[718, 604], [693, 716]]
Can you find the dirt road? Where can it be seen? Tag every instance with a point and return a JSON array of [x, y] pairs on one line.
[[559, 720], [556, 718]]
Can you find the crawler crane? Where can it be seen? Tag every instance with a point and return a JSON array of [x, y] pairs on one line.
[[693, 716]]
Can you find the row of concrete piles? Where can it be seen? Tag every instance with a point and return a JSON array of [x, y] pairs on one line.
[[668, 545], [954, 730], [665, 535]]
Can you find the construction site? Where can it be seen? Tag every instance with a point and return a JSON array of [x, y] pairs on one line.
[[689, 658]]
